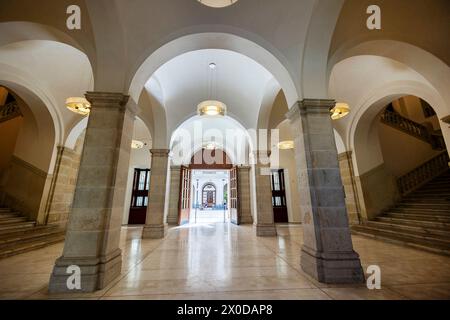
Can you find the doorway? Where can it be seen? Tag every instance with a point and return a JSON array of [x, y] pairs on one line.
[[209, 199], [139, 197], [279, 203]]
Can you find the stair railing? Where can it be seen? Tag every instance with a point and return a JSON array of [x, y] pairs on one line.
[[9, 111], [423, 174], [412, 128]]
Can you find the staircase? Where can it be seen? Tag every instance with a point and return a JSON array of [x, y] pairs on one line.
[[414, 129], [420, 220], [17, 235]]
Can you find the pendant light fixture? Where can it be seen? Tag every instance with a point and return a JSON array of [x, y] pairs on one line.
[[212, 107]]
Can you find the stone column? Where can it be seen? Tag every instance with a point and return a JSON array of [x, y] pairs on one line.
[[265, 225], [327, 253], [244, 195], [155, 226], [351, 191], [93, 231], [175, 174]]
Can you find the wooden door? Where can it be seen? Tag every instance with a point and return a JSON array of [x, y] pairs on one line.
[[279, 197], [185, 196], [139, 197], [234, 200]]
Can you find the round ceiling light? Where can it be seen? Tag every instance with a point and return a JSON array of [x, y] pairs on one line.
[[78, 105], [211, 146], [217, 3], [136, 144], [340, 111], [286, 145], [212, 108]]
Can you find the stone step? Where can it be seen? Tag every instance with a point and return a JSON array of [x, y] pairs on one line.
[[17, 232], [12, 220], [422, 199], [34, 234], [417, 230], [417, 237], [431, 196], [419, 217], [423, 210], [9, 215], [424, 205], [432, 188], [20, 225], [30, 245], [413, 222], [403, 239]]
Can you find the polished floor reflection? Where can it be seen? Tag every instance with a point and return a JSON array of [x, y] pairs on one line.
[[221, 261]]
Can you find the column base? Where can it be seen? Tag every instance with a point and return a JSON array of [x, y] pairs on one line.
[[172, 221], [246, 220], [154, 232], [96, 273], [332, 268], [266, 230]]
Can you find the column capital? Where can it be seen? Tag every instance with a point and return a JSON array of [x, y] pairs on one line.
[[111, 100], [310, 106], [160, 152]]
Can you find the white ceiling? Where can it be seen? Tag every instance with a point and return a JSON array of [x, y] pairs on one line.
[[239, 82]]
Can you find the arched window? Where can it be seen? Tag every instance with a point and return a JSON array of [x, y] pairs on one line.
[[209, 196]]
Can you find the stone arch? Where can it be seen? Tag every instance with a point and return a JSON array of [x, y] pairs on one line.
[[52, 87], [213, 40], [314, 76], [360, 135], [196, 146]]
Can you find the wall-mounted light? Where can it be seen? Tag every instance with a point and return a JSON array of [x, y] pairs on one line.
[[340, 111], [286, 145], [136, 144], [78, 105]]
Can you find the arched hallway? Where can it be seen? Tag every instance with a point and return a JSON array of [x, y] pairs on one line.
[[226, 262], [327, 131]]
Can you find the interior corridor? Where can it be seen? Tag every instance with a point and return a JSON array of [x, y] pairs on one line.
[[222, 261]]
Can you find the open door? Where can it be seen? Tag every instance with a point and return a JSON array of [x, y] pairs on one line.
[[234, 201], [185, 196]]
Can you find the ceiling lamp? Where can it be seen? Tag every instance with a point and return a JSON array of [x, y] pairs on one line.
[[217, 3], [286, 145], [212, 108], [340, 111], [78, 105], [211, 146], [136, 144]]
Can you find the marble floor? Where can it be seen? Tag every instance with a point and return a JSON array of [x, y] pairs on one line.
[[209, 216], [221, 261]]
